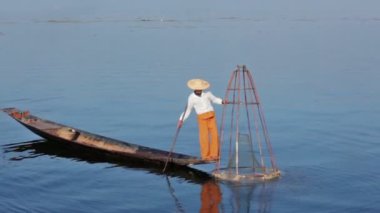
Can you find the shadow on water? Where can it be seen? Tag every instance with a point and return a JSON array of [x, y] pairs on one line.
[[236, 198], [36, 148]]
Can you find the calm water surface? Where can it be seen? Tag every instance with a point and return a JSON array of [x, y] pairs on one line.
[[120, 69]]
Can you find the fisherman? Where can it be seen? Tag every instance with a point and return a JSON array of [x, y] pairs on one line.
[[208, 130]]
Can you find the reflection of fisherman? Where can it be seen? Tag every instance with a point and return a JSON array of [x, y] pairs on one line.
[[201, 101], [211, 197]]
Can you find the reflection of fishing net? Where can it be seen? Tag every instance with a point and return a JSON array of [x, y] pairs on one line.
[[250, 197], [244, 135]]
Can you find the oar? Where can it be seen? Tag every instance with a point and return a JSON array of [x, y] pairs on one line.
[[174, 139]]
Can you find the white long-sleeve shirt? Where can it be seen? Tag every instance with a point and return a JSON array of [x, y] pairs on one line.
[[201, 104]]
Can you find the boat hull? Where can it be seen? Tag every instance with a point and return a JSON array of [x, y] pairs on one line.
[[53, 131]]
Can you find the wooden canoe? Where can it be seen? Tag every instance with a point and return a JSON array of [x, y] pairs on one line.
[[53, 131]]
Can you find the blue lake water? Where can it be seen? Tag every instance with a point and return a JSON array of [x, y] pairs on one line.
[[120, 69]]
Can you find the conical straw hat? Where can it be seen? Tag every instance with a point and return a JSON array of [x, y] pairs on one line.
[[198, 84]]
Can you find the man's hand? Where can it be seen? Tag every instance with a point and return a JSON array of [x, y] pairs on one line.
[[224, 101], [180, 123]]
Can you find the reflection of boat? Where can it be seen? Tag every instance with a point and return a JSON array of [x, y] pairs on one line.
[[214, 197], [36, 148], [57, 132]]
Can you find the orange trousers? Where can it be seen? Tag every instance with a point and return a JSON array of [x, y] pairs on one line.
[[208, 135]]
